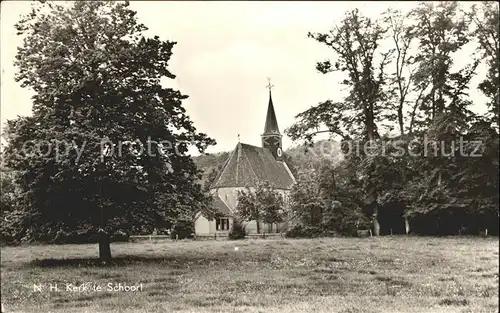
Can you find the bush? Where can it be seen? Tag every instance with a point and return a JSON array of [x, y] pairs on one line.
[[13, 227], [350, 227], [300, 231], [237, 231], [182, 230], [72, 237], [120, 236]]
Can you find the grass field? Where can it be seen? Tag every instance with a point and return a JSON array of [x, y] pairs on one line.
[[386, 274]]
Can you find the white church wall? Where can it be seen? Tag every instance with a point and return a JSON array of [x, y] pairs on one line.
[[202, 226]]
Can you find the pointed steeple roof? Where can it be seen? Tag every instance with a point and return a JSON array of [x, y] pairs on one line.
[[271, 126]]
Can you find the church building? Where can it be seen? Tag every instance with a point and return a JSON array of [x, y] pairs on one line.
[[246, 166]]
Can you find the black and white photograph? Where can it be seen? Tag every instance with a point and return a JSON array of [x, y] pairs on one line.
[[249, 156]]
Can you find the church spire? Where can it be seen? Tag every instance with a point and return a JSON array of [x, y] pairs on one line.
[[271, 138], [271, 126]]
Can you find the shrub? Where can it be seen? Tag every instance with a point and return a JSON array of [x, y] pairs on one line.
[[72, 237], [182, 230], [350, 227], [300, 231], [13, 227], [120, 236], [237, 231]]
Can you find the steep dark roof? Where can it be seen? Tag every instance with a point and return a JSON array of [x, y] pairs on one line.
[[249, 164], [271, 126], [221, 206]]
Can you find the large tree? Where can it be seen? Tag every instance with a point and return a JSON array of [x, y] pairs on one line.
[[356, 43], [105, 147]]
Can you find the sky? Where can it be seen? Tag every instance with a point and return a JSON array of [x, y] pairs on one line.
[[224, 53]]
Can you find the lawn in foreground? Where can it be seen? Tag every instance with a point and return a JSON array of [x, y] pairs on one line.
[[348, 275]]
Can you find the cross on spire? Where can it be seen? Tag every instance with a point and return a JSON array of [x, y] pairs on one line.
[[269, 86], [271, 126]]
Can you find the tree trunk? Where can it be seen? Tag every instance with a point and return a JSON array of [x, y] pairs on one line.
[[104, 247], [258, 226], [376, 225], [407, 225], [400, 119], [104, 240]]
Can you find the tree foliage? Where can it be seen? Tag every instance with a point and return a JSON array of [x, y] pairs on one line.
[[306, 204], [326, 203], [485, 21], [261, 204]]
